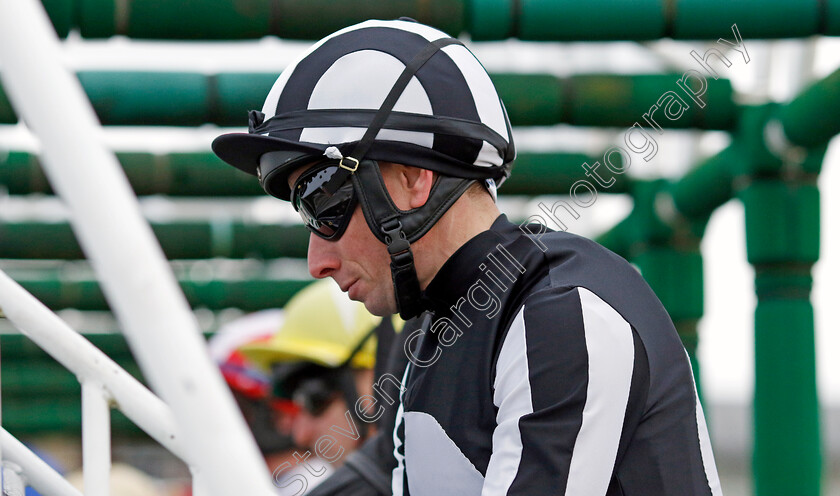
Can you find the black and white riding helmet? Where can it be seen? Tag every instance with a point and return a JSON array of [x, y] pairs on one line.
[[394, 91], [448, 118]]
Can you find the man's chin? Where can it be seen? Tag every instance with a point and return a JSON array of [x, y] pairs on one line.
[[380, 308]]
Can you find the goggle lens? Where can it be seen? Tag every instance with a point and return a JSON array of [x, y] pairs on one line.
[[325, 214], [310, 387], [314, 396]]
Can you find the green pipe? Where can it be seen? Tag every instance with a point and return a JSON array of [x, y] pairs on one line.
[[707, 186], [169, 98], [813, 117], [607, 20], [177, 174], [782, 222], [610, 100], [676, 276], [782, 216], [558, 20], [191, 99], [783, 229], [787, 455], [204, 174], [619, 238], [245, 294], [179, 240], [555, 173]]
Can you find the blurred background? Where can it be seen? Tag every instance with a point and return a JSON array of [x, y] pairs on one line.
[[573, 82]]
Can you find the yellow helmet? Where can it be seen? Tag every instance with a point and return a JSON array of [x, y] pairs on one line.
[[322, 326]]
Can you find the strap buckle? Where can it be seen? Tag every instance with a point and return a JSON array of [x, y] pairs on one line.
[[355, 164], [395, 238]]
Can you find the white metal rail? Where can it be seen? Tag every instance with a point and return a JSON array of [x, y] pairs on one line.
[[103, 383], [40, 476], [141, 289]]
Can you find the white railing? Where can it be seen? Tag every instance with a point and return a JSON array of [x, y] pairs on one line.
[[137, 281], [104, 384]]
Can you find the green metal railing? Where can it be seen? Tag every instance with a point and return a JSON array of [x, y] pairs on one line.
[[204, 174], [179, 240], [59, 291], [191, 99], [558, 20]]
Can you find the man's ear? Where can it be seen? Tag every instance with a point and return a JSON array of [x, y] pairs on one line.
[[419, 183], [409, 187]]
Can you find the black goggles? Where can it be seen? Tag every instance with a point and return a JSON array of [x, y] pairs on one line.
[[325, 213], [309, 386]]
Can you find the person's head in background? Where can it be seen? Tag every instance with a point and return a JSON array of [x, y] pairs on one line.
[[250, 385], [322, 361]]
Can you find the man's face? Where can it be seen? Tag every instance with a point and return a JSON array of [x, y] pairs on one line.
[[306, 427], [357, 261]]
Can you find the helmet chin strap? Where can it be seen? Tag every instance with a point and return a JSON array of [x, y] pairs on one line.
[[399, 228]]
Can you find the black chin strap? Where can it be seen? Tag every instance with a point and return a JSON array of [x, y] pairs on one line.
[[399, 228], [404, 276]]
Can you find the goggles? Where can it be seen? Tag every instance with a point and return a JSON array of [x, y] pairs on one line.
[[310, 387], [326, 213]]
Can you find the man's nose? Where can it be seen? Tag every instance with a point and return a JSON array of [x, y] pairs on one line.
[[321, 257], [303, 429]]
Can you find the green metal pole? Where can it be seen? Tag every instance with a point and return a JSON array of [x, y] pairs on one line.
[[813, 117], [191, 99], [204, 174], [179, 240], [605, 20], [176, 174], [558, 20], [83, 293], [782, 220], [707, 186], [782, 213]]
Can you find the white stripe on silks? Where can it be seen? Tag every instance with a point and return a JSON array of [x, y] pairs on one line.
[[483, 92], [488, 156], [609, 344], [705, 442], [512, 395], [335, 88], [270, 106], [398, 474], [706, 451], [333, 135], [437, 465]]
